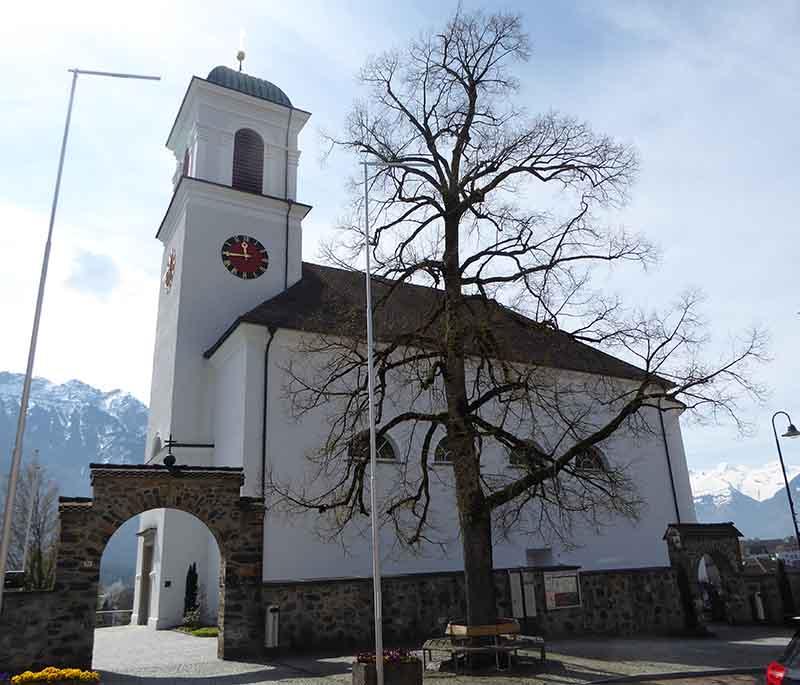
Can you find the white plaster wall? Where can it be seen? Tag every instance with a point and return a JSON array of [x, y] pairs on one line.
[[210, 298], [161, 389], [294, 549]]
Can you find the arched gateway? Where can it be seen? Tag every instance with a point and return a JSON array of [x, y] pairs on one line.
[[65, 632], [689, 544]]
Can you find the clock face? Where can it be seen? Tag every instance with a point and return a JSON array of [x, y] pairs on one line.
[[169, 271], [244, 257]]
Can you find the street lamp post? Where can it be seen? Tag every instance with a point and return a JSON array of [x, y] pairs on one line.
[[376, 559], [791, 432], [16, 457]]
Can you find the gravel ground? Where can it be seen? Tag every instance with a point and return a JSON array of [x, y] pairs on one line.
[[136, 654]]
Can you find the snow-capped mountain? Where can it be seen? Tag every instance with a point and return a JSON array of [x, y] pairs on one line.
[[71, 425], [760, 483], [753, 498]]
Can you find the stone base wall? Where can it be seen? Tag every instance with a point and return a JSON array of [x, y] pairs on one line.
[[767, 585], [34, 629], [793, 577], [338, 613]]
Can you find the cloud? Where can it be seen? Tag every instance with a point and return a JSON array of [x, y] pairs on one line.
[[94, 274]]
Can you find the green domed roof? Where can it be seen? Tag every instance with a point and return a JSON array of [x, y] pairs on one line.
[[244, 83]]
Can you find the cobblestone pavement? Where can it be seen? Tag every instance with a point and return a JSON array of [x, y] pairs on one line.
[[134, 654]]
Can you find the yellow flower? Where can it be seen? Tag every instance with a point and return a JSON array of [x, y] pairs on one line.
[[51, 674]]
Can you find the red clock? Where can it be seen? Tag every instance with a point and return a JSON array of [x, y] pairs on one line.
[[244, 257]]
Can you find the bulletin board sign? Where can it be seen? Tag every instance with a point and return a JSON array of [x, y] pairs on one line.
[[562, 589]]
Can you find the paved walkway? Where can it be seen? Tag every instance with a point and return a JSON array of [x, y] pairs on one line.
[[126, 655], [134, 654]]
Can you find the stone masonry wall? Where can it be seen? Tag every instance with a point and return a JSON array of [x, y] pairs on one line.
[[793, 576], [338, 613], [767, 585], [26, 634], [57, 628]]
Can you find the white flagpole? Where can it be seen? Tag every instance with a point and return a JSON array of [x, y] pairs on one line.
[[16, 457], [376, 552]]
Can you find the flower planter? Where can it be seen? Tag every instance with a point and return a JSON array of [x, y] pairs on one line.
[[398, 673]]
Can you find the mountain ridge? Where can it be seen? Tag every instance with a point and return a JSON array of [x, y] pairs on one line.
[[70, 425]]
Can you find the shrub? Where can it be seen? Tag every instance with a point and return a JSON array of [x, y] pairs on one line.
[[51, 674], [206, 632]]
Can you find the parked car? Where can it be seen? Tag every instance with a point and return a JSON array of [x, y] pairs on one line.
[[786, 670]]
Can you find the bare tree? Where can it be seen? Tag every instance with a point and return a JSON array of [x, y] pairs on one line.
[[34, 530], [452, 213]]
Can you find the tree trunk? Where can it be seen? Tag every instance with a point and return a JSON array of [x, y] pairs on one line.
[[474, 516], [476, 536]]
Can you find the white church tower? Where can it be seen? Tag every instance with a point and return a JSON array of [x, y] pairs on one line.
[[232, 239]]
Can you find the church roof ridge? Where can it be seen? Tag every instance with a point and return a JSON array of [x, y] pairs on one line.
[[329, 298]]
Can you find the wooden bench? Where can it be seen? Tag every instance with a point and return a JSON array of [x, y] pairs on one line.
[[508, 645]]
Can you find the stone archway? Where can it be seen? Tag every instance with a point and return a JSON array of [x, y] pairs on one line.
[[120, 492], [688, 544]]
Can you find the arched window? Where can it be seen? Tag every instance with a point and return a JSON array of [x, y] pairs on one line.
[[527, 456], [358, 448], [248, 161], [591, 459], [444, 455]]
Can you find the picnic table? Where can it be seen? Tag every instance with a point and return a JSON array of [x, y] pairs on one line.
[[507, 644]]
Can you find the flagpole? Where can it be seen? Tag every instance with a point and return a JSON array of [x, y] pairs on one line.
[[376, 552], [16, 457]]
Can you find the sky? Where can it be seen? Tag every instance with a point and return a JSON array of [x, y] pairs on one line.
[[709, 93]]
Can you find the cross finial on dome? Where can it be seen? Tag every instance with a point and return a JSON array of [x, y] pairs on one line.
[[240, 54]]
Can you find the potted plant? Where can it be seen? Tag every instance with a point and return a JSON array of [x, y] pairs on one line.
[[51, 674], [399, 668]]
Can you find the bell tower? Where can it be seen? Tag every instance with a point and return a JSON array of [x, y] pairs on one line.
[[232, 239]]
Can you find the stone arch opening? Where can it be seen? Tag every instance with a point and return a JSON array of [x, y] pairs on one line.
[[121, 492], [707, 558], [137, 560], [712, 590]]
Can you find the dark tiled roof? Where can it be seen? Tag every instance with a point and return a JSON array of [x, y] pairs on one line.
[[706, 529], [244, 83], [330, 300]]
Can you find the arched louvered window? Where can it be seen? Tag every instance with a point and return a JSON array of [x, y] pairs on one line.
[[248, 161]]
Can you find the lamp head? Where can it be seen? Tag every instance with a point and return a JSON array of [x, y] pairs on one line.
[[791, 432]]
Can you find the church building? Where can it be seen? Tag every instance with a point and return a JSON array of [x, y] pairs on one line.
[[236, 304]]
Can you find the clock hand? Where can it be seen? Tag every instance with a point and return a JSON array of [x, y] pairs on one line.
[[236, 254]]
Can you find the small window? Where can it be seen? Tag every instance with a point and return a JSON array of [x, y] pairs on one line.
[[526, 456], [187, 162], [539, 556], [590, 459], [358, 449], [248, 161]]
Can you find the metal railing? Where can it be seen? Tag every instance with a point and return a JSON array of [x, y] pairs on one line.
[[112, 617]]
